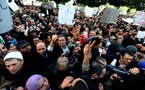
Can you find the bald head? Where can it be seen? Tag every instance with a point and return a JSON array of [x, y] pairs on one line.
[[41, 48], [62, 63]]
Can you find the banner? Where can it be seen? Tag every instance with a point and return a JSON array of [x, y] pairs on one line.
[[88, 11], [139, 19], [110, 15], [13, 6], [5, 17], [66, 14], [128, 20], [27, 2], [140, 34]]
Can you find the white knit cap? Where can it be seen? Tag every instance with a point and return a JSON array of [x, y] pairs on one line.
[[14, 54]]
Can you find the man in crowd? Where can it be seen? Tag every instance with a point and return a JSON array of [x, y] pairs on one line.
[[42, 58], [93, 72], [14, 63]]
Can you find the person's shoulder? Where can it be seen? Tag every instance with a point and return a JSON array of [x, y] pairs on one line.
[[4, 83]]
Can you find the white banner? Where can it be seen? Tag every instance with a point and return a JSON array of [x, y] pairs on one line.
[[5, 17], [66, 14], [128, 20], [88, 11], [139, 19], [27, 2], [140, 34], [110, 15], [13, 6]]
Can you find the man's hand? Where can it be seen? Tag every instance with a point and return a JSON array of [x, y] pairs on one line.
[[115, 75], [87, 48], [54, 38], [67, 82], [20, 88], [134, 70]]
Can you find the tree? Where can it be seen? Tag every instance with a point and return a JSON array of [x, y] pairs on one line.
[[92, 2], [61, 1], [138, 4]]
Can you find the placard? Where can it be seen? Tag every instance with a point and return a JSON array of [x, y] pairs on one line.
[[139, 19], [13, 6], [110, 15], [66, 14], [5, 17]]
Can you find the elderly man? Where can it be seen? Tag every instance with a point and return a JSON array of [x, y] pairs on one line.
[[14, 63], [58, 71]]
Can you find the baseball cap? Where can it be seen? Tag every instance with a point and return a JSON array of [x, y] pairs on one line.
[[13, 54], [142, 65]]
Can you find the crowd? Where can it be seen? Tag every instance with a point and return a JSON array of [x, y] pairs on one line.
[[39, 53]]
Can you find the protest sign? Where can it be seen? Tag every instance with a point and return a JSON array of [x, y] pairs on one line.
[[139, 19], [13, 6], [66, 14], [88, 11], [27, 2], [128, 20], [140, 34], [5, 17], [110, 15]]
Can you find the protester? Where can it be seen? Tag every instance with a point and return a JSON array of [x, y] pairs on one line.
[[59, 71], [94, 71], [37, 82], [85, 53], [14, 63]]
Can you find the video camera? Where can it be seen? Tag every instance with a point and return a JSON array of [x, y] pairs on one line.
[[117, 70]]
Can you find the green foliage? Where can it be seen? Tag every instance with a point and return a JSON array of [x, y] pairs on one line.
[[138, 4], [92, 2], [61, 1], [45, 1]]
